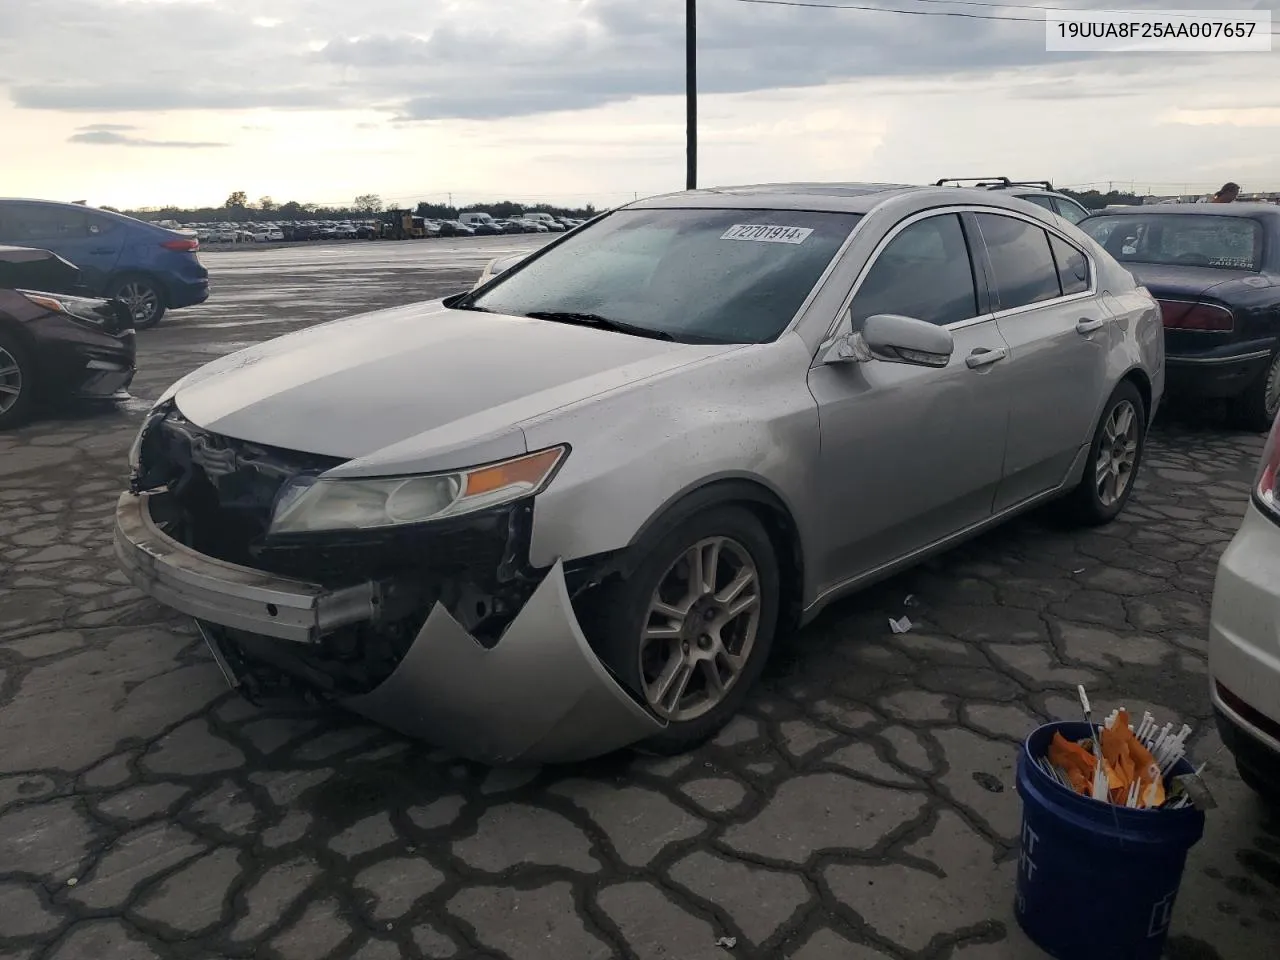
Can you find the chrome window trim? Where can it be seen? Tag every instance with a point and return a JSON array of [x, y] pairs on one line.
[[960, 209], [901, 225], [888, 238], [1068, 298]]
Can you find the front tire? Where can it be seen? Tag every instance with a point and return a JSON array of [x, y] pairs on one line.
[[17, 382], [690, 629], [1114, 458], [1256, 408], [145, 299]]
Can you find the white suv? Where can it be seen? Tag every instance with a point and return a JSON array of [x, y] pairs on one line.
[[1244, 633]]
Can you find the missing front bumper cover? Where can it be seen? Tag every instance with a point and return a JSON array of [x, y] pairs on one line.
[[539, 695]]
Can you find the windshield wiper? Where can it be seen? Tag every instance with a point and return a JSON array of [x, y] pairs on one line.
[[604, 323]]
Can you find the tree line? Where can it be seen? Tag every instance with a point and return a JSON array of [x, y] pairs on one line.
[[238, 208], [1093, 200]]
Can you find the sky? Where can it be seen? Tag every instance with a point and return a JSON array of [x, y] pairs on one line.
[[146, 103]]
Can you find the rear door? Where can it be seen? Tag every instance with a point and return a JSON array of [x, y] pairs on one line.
[[1059, 335], [911, 455]]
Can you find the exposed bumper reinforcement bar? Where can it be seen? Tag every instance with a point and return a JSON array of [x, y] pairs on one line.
[[226, 593], [541, 695]]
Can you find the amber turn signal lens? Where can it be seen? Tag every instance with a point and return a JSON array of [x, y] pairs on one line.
[[529, 471]]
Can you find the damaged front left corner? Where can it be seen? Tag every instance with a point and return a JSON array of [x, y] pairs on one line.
[[540, 695]]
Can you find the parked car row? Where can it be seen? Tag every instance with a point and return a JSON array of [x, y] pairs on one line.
[[466, 225], [282, 231]]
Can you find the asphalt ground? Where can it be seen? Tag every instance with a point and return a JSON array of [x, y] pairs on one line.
[[861, 807]]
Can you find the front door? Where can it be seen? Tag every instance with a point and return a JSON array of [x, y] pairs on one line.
[[911, 454], [1058, 334], [95, 248]]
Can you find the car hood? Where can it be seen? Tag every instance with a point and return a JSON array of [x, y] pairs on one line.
[[1165, 280], [389, 388]]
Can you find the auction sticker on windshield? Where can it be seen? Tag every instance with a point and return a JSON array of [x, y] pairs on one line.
[[766, 233]]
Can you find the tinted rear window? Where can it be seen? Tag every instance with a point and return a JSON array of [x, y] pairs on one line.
[[1020, 257], [1194, 240]]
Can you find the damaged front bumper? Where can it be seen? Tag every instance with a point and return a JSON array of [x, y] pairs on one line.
[[539, 695]]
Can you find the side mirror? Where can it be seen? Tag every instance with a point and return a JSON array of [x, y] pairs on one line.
[[899, 339]]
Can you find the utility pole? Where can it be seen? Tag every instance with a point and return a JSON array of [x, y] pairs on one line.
[[691, 92]]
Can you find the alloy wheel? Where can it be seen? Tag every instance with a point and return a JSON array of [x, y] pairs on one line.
[[10, 380], [1271, 396], [143, 301], [1117, 453], [702, 625]]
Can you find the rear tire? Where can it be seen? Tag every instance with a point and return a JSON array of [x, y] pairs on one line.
[[1114, 458], [667, 631], [1256, 408], [17, 381], [144, 297]]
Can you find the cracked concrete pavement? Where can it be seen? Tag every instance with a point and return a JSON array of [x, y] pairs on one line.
[[862, 806]]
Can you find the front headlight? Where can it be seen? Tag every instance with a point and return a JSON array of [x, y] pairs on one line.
[[309, 505], [83, 309]]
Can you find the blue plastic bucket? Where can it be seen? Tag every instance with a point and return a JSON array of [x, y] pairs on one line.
[[1096, 880]]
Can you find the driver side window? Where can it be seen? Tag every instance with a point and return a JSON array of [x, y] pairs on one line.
[[925, 272]]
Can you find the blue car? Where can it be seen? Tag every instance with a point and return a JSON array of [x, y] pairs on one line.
[[151, 268]]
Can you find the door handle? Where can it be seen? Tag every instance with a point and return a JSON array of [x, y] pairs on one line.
[[1086, 326], [102, 251], [983, 357]]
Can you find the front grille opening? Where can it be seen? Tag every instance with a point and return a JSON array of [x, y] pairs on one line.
[[223, 490]]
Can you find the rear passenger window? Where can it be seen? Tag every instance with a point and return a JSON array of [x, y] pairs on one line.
[[1069, 211], [1073, 268], [924, 272], [1025, 272], [1040, 200], [44, 223]]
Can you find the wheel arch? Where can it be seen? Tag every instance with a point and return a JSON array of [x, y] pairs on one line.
[[755, 495], [1138, 377], [120, 276]]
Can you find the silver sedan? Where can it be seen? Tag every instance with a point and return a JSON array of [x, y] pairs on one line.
[[571, 509]]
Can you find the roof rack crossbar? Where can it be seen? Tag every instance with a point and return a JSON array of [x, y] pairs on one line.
[[994, 183]]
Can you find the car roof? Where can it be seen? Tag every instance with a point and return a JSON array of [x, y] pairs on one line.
[[858, 198], [97, 211], [1254, 211]]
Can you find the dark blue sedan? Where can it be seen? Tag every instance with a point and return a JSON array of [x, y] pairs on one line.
[[1215, 268], [152, 269]]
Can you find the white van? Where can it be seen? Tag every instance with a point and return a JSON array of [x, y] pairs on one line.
[[477, 217]]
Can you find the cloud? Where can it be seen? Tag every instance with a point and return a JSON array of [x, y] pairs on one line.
[[478, 59], [130, 97], [113, 135]]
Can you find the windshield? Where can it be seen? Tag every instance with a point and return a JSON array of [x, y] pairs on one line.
[[1198, 240], [720, 276]]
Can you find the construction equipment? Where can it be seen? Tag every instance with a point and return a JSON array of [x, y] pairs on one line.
[[402, 225]]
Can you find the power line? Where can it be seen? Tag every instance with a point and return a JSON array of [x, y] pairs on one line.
[[868, 8]]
